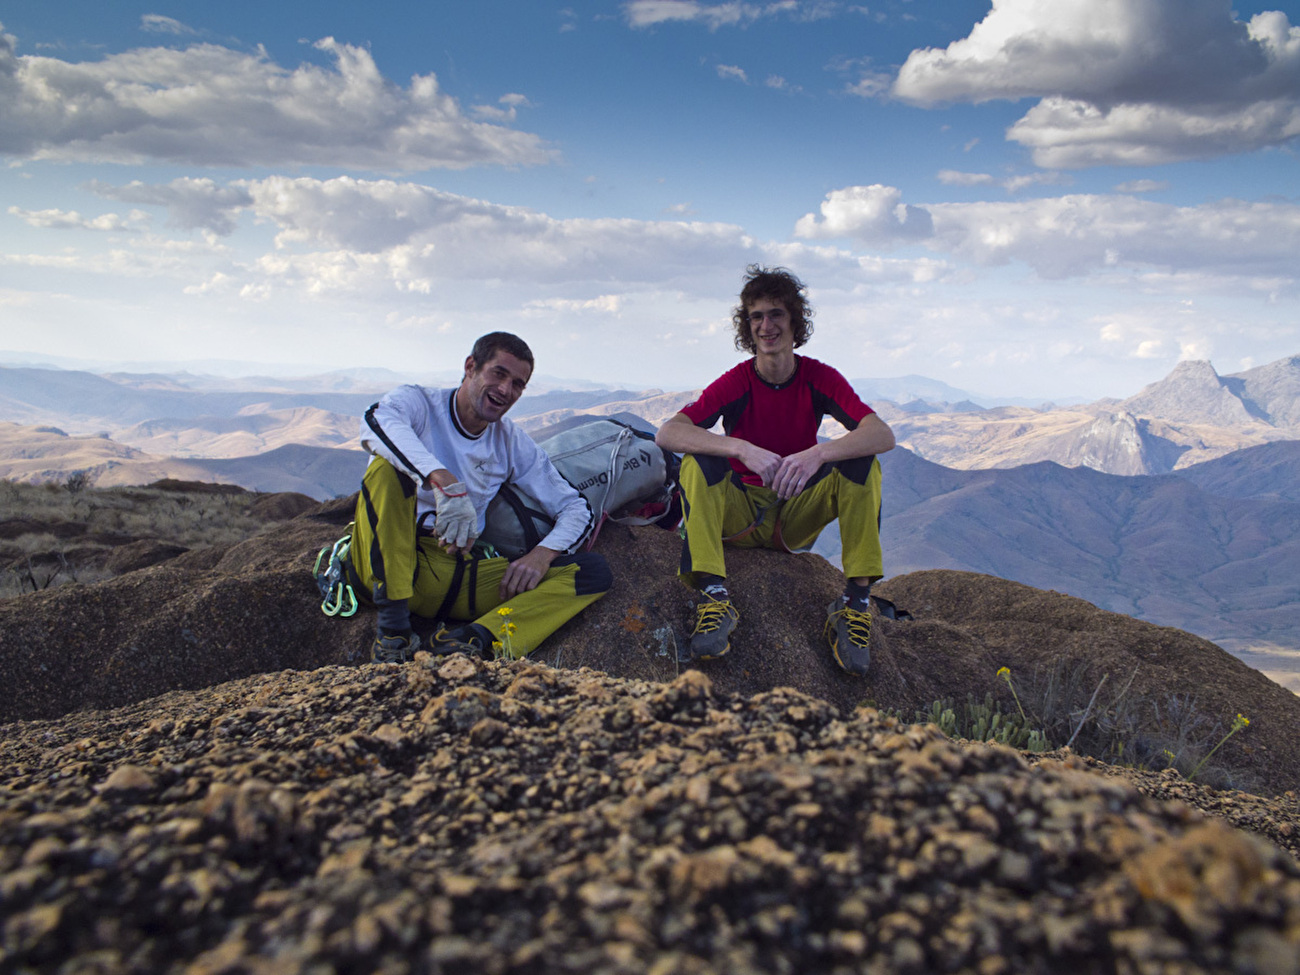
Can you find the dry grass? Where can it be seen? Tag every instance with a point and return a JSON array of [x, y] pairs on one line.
[[73, 527], [1069, 703]]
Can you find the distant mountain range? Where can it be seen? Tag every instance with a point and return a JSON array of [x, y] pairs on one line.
[[1190, 416], [1213, 549], [1179, 505]]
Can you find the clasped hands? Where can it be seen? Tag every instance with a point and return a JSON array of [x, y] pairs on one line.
[[787, 476]]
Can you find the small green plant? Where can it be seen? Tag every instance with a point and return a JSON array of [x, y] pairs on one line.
[[1239, 722], [1066, 700], [984, 720]]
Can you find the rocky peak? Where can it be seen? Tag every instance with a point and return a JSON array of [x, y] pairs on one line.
[[1192, 393], [1273, 390], [1120, 443]]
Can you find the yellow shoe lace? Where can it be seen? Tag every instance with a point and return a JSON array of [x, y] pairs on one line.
[[857, 623], [709, 616]]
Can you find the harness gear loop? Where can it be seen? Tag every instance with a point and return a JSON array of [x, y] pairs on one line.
[[763, 509]]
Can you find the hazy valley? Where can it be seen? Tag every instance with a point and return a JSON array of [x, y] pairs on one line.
[[1179, 504]]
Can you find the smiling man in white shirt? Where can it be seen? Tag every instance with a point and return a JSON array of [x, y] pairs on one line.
[[440, 456]]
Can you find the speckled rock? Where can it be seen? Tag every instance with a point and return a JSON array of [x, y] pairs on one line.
[[461, 815]]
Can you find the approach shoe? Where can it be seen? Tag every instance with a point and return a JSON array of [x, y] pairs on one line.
[[394, 648], [463, 639], [714, 621], [848, 630]]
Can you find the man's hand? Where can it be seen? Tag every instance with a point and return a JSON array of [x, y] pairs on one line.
[[526, 572], [762, 462], [793, 473], [456, 521]]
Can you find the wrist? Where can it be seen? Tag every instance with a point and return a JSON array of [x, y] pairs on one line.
[[441, 479]]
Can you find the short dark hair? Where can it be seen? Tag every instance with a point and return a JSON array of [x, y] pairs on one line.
[[774, 284], [489, 345]]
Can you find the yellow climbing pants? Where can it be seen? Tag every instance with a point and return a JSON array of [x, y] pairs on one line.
[[394, 561], [720, 508]]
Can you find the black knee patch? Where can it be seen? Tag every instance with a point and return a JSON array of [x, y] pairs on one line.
[[594, 574], [820, 474], [713, 468], [856, 469]]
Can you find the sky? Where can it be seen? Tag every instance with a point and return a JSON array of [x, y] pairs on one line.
[[1054, 199]]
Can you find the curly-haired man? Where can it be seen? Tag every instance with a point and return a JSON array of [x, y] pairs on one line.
[[767, 480]]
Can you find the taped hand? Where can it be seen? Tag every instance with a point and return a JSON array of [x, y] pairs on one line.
[[456, 521]]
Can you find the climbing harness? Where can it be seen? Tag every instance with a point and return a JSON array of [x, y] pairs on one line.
[[337, 595]]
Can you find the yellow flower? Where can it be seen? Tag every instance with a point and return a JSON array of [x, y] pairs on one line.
[[1004, 672], [497, 645], [510, 627], [504, 611]]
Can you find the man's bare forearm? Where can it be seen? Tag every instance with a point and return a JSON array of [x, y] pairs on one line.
[[681, 436], [872, 436]]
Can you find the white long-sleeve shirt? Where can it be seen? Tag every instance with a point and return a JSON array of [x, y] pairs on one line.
[[416, 430]]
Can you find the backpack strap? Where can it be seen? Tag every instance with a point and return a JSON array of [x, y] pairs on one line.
[[525, 515]]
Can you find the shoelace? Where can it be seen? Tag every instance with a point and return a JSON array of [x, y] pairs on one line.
[[857, 623], [390, 652], [709, 616]]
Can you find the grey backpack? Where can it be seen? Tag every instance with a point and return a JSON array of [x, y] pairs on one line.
[[624, 475]]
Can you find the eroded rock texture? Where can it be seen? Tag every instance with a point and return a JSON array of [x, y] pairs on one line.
[[454, 815]]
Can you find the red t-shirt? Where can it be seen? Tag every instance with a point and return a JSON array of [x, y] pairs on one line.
[[783, 419]]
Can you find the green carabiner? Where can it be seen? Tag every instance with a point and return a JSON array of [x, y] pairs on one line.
[[341, 601], [350, 602]]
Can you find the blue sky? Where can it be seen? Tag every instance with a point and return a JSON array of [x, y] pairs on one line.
[[1028, 198]]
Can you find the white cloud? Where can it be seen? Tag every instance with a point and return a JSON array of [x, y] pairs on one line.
[[953, 177], [1014, 184], [191, 203], [72, 220], [158, 24], [869, 85], [602, 304], [214, 106], [1142, 186], [733, 72], [1123, 81], [354, 237], [1079, 234], [510, 105], [648, 13], [1150, 349], [874, 214]]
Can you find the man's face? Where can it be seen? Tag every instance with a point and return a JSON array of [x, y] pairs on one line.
[[770, 326], [488, 391]]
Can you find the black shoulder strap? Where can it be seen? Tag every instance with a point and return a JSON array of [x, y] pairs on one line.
[[525, 514]]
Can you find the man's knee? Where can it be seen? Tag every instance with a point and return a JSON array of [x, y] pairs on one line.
[[714, 469], [594, 575], [855, 469], [382, 478]]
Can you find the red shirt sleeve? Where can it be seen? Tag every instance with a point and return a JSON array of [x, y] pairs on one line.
[[837, 397], [723, 392]]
